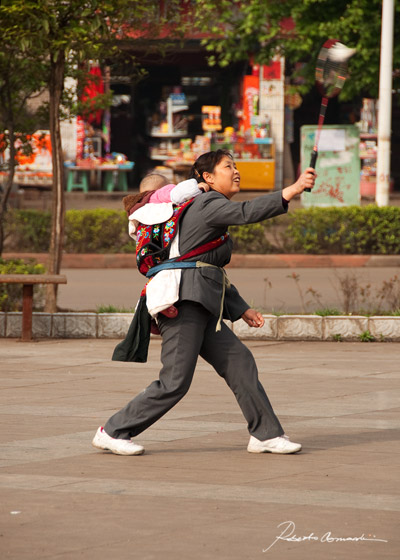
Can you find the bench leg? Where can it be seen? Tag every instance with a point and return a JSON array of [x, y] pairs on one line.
[[27, 305]]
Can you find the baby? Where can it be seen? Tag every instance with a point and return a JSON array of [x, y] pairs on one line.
[[142, 208], [154, 205], [152, 182]]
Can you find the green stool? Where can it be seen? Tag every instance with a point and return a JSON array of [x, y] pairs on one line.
[[77, 179], [115, 179]]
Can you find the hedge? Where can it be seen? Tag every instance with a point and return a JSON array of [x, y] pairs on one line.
[[97, 231], [350, 230], [86, 231], [11, 294]]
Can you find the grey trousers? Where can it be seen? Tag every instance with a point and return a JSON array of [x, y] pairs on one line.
[[190, 334]]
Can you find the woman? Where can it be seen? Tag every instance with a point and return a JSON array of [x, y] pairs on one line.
[[195, 331]]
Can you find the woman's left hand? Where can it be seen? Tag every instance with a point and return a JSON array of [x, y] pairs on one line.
[[253, 318]]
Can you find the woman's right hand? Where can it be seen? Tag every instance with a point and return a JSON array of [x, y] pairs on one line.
[[305, 181]]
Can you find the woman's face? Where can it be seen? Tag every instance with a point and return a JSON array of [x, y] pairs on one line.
[[225, 177]]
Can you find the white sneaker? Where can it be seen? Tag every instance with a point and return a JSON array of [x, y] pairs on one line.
[[280, 444], [118, 446]]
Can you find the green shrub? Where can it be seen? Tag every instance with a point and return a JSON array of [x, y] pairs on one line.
[[28, 231], [113, 309], [249, 239], [11, 294], [366, 336], [327, 312], [351, 230], [85, 231], [95, 231]]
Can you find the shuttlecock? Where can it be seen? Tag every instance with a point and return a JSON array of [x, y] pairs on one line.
[[340, 53]]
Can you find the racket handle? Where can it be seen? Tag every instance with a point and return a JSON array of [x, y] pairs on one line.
[[313, 161]]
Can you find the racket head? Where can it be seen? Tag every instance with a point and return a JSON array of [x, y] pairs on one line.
[[330, 72]]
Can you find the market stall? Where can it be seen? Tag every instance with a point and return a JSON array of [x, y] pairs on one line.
[[368, 126], [254, 159], [86, 148], [112, 173], [250, 137], [92, 164], [34, 167]]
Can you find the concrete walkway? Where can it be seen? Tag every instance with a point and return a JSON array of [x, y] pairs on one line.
[[196, 493]]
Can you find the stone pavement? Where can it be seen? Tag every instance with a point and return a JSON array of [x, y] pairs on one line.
[[196, 493]]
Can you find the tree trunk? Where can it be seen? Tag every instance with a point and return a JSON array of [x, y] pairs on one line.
[[8, 184], [57, 218]]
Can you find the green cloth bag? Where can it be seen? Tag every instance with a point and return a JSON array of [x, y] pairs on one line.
[[135, 346]]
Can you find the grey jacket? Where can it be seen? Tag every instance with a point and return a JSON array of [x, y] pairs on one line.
[[207, 218]]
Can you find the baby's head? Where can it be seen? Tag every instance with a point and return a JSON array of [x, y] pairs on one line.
[[153, 182]]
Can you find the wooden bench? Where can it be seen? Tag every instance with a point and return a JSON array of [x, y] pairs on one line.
[[27, 281]]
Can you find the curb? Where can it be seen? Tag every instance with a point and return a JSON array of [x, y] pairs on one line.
[[284, 327], [118, 260]]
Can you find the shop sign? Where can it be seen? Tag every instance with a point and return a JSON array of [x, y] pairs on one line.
[[272, 71], [251, 92], [211, 118]]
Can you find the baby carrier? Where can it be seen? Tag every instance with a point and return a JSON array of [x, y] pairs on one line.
[[153, 244]]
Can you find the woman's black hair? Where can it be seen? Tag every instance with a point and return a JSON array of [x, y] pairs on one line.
[[207, 163]]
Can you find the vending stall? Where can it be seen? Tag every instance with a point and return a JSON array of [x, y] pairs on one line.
[[34, 166], [256, 125]]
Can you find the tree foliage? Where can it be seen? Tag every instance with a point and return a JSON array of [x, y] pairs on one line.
[[62, 35], [19, 82], [262, 27]]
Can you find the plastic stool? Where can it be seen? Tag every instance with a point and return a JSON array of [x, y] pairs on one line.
[[81, 181], [115, 179]]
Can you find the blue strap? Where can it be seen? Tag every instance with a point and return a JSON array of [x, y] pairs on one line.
[[171, 264], [168, 265]]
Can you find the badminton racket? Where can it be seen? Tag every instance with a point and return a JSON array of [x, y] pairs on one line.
[[330, 76]]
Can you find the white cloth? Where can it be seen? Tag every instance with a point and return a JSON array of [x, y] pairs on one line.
[[158, 212], [150, 214], [163, 290], [185, 190]]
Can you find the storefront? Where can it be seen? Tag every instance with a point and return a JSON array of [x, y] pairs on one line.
[[33, 161], [183, 108]]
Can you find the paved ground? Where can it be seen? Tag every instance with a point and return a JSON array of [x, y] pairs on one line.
[[196, 493], [269, 289]]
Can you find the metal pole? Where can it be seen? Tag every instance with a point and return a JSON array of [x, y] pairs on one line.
[[385, 105]]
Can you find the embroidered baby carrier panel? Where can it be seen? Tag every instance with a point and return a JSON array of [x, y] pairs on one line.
[[153, 242]]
